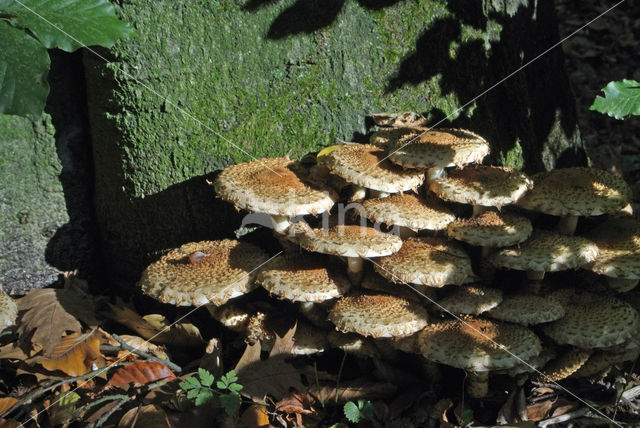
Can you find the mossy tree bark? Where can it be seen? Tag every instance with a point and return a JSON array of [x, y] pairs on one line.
[[207, 83]]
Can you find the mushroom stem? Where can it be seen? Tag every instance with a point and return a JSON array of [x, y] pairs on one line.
[[378, 194], [479, 209], [404, 232], [354, 269], [535, 275], [534, 282], [280, 223], [477, 384], [567, 225], [434, 173], [359, 193], [622, 285]]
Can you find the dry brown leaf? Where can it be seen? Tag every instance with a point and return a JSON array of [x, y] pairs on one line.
[[12, 351], [140, 374], [148, 416], [538, 411], [155, 328], [255, 417], [142, 345], [75, 354], [47, 314], [353, 390], [297, 404], [6, 403]]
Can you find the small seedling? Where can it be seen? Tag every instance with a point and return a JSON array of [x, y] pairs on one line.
[[358, 412], [200, 389]]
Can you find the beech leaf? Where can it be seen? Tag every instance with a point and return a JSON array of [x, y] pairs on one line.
[[140, 374], [621, 99], [74, 355]]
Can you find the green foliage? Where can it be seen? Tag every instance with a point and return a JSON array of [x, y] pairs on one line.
[[200, 389], [622, 99], [358, 412], [30, 27]]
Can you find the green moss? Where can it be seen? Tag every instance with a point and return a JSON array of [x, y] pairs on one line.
[[513, 158]]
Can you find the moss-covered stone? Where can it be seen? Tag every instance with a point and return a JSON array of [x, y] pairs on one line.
[[207, 83]]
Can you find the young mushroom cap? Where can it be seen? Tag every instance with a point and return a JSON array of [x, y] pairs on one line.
[[563, 366], [434, 262], [493, 186], [592, 320], [366, 166], [491, 229], [378, 315], [303, 278], [471, 299], [547, 251], [527, 309], [409, 211], [478, 345], [203, 272], [439, 148]]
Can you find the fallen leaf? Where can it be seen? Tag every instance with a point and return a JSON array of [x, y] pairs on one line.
[[9, 423], [63, 409], [354, 390], [142, 345], [6, 403], [297, 404], [255, 417], [539, 411], [74, 356], [514, 409], [562, 409], [47, 314], [140, 374], [12, 351], [148, 416]]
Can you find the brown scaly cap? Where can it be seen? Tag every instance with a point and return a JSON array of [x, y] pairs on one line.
[[619, 242], [527, 309], [272, 186], [395, 136], [491, 229], [409, 211], [577, 191], [374, 282], [601, 360], [367, 166], [204, 272], [378, 315], [472, 344], [563, 366], [548, 252], [434, 262], [349, 241], [440, 148], [471, 299], [592, 320], [492, 186], [302, 278]]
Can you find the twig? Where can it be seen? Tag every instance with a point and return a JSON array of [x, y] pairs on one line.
[[565, 417], [124, 346], [103, 399], [108, 414], [631, 393]]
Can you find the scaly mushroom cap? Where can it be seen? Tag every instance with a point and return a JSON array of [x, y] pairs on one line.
[[219, 271], [547, 252], [231, 316], [528, 309], [478, 345], [378, 315], [592, 320], [349, 241], [471, 299], [492, 186], [272, 186], [354, 344], [308, 339], [8, 310], [434, 262], [439, 148], [563, 366], [409, 211], [395, 136], [491, 229], [302, 279], [618, 240], [603, 359], [374, 282], [577, 191], [367, 166]]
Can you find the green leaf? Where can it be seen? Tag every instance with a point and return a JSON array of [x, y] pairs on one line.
[[190, 383], [24, 65], [235, 387], [69, 24], [621, 99], [206, 378], [229, 402], [193, 393], [367, 410], [351, 412], [204, 396]]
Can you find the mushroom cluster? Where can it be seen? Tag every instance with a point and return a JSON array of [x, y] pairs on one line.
[[412, 280]]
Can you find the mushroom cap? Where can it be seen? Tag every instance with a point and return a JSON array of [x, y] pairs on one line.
[[349, 241], [527, 309], [409, 211], [577, 191], [8, 310], [491, 229], [378, 315], [471, 299], [225, 270], [367, 166], [492, 186], [399, 120], [603, 359], [434, 262], [618, 240], [302, 278], [564, 365], [547, 252], [353, 343], [308, 339], [439, 148], [231, 316], [478, 345], [592, 320], [374, 282], [272, 186], [394, 136]]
